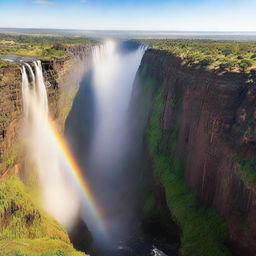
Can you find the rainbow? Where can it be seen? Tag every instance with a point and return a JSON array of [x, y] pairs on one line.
[[77, 176]]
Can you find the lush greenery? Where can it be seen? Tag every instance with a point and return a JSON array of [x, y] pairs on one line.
[[157, 220], [10, 156], [25, 229], [219, 56], [203, 231], [43, 47], [37, 247], [247, 170]]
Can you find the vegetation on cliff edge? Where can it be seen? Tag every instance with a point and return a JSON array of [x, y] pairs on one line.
[[25, 229], [235, 56], [247, 170]]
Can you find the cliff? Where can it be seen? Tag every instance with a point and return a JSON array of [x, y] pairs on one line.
[[62, 78], [201, 138], [24, 227]]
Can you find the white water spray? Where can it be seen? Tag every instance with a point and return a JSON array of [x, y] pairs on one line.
[[113, 73], [58, 196]]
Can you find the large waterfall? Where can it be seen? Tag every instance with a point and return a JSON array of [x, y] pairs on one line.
[[109, 202], [97, 129], [113, 76], [58, 195]]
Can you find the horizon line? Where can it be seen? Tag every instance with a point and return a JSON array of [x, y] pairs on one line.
[[130, 30]]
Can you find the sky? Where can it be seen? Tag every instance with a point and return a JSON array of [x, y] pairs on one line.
[[182, 15]]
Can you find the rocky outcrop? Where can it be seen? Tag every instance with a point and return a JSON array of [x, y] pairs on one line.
[[216, 126]]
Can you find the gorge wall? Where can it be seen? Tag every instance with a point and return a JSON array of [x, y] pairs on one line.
[[207, 139], [20, 216], [62, 78]]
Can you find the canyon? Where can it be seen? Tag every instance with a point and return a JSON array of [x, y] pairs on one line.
[[190, 129]]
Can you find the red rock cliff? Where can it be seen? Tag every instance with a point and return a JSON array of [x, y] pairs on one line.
[[217, 124]]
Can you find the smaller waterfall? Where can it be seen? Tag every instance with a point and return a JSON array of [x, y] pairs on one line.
[[59, 197]]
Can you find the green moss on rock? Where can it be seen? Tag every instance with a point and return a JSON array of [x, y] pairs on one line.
[[247, 170], [25, 229]]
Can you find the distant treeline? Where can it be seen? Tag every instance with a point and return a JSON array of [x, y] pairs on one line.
[[41, 46]]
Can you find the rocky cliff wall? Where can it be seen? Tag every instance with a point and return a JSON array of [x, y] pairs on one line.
[[62, 78], [214, 119]]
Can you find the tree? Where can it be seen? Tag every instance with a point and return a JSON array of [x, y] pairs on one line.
[[245, 64]]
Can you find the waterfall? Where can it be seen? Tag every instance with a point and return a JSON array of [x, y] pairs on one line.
[[113, 72], [59, 197]]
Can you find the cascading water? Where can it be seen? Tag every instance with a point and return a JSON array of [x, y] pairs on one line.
[[113, 76], [58, 195], [105, 96]]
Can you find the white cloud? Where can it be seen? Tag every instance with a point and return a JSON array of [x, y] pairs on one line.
[[83, 1], [42, 2]]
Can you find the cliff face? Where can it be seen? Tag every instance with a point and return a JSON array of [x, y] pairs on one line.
[[215, 121], [62, 78], [10, 103]]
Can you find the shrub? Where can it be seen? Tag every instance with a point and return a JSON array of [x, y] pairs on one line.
[[245, 64], [247, 169]]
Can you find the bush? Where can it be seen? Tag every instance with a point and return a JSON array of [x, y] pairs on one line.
[[245, 64], [247, 169], [206, 62]]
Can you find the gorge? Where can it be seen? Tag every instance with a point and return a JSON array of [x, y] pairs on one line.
[[161, 147]]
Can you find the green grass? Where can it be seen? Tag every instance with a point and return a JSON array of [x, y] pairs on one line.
[[153, 211], [37, 247], [10, 157], [6, 64], [25, 229], [204, 232], [247, 170], [212, 55], [21, 216]]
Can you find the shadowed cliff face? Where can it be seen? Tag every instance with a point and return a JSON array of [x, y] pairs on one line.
[[216, 126]]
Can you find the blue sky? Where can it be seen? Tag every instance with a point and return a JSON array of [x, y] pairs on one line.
[[199, 15]]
